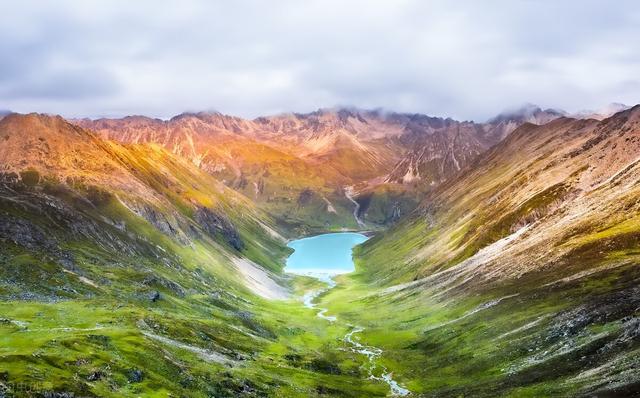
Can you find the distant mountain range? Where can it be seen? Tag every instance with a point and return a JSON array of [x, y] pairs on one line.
[[298, 165]]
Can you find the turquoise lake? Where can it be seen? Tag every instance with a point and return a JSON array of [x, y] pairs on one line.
[[323, 255]]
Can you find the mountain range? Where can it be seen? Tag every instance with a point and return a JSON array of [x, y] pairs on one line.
[[297, 166], [142, 256]]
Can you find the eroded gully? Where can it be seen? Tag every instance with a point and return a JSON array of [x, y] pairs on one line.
[[354, 345], [348, 192]]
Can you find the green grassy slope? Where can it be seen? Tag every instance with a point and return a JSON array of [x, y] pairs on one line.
[[517, 278], [118, 278]]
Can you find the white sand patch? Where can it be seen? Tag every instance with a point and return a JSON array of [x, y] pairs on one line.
[[82, 279], [410, 176], [207, 355], [259, 281], [585, 273], [524, 327], [481, 307], [330, 208]]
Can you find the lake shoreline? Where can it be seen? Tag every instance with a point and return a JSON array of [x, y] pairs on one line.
[[317, 246], [369, 233], [323, 256]]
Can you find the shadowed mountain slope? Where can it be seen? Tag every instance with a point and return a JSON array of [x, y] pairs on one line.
[[41, 153]]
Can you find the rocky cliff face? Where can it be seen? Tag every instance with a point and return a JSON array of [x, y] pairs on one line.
[[502, 125], [88, 184], [439, 151], [439, 148], [235, 152]]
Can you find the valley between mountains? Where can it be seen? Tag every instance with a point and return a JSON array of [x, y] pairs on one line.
[[145, 257]]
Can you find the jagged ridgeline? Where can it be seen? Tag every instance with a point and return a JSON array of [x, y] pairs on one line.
[[301, 167]]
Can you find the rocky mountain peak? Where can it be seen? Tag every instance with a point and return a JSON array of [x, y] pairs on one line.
[[24, 126], [528, 113], [603, 112]]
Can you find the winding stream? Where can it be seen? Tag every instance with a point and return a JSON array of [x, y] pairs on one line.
[[348, 192], [311, 258], [372, 353]]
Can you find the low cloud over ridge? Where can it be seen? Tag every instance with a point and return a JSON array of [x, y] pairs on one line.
[[250, 58]]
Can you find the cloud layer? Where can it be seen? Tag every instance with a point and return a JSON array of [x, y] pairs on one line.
[[466, 59]]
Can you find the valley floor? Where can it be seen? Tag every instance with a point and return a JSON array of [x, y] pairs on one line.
[[375, 371], [364, 342], [197, 346]]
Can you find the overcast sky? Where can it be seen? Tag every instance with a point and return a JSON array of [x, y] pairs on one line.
[[465, 59]]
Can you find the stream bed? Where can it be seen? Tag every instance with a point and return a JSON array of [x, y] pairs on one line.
[[323, 257]]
